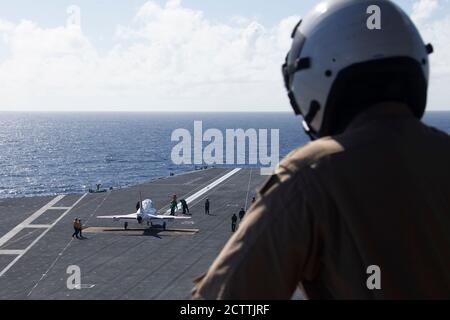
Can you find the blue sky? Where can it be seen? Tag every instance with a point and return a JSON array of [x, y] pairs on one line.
[[43, 53], [101, 16]]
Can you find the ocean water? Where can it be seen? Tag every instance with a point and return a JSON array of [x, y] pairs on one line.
[[54, 153]]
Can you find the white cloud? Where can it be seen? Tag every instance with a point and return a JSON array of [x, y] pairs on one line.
[[437, 32], [168, 57], [423, 9]]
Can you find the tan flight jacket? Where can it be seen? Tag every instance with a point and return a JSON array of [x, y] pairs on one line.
[[377, 195]]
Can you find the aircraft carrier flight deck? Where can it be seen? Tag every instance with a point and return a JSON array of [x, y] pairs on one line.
[[38, 253]]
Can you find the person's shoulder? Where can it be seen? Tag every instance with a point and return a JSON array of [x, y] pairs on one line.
[[308, 155], [291, 168], [436, 133]]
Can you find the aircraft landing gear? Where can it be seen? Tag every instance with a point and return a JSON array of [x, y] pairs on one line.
[[164, 226], [125, 225]]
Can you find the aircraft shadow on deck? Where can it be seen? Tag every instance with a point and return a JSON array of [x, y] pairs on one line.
[[147, 232], [150, 232]]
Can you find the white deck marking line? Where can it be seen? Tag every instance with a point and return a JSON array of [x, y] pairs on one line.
[[28, 221], [9, 266], [201, 192], [38, 226], [63, 250], [11, 252], [248, 189], [51, 266]]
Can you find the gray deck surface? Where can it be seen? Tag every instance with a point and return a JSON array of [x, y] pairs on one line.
[[136, 264]]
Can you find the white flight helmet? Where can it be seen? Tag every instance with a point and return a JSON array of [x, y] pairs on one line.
[[338, 43]]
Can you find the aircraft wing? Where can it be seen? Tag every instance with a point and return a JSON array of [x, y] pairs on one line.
[[132, 216], [168, 217]]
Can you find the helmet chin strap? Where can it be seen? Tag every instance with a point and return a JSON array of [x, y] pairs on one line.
[[308, 131], [313, 110]]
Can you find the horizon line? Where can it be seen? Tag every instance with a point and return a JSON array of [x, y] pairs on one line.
[[139, 111], [157, 111]]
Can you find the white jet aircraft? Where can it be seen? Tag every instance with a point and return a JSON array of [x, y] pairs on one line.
[[146, 213]]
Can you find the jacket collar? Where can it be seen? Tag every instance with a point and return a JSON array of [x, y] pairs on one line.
[[386, 110]]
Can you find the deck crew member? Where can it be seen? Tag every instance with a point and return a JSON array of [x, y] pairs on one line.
[[76, 228], [80, 228], [173, 205], [184, 206], [241, 214], [207, 206], [234, 219]]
